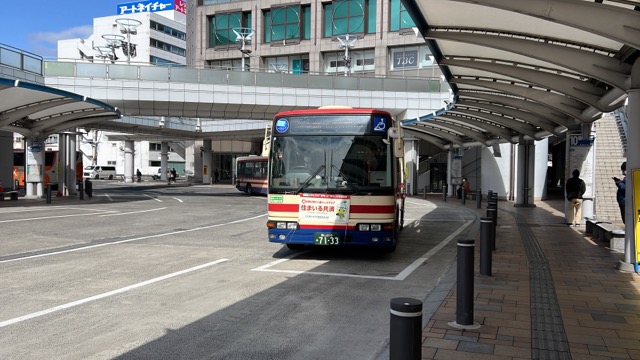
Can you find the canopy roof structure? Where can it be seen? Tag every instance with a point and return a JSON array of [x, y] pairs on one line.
[[35, 110], [523, 69]]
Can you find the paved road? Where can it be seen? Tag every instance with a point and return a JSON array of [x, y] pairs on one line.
[[177, 272]]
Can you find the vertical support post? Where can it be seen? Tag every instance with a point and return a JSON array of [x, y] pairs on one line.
[[492, 213], [478, 199], [81, 190], [486, 246], [489, 196], [464, 197], [444, 192], [425, 192], [405, 340], [464, 297], [49, 193]]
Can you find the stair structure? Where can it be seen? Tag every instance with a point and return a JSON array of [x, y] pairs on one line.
[[609, 156]]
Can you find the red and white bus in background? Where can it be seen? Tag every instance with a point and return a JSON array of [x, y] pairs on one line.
[[251, 174], [51, 167], [335, 178]]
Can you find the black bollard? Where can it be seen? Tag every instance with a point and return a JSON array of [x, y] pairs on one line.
[[486, 246], [444, 192], [478, 199], [48, 193], [464, 197], [81, 190], [489, 196], [425, 192], [88, 187], [464, 296], [405, 341], [493, 214]]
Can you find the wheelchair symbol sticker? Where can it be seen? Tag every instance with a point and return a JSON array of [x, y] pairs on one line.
[[379, 124]]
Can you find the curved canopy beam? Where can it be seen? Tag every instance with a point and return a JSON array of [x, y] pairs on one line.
[[583, 91], [604, 68], [496, 130], [568, 106], [612, 22], [474, 110]]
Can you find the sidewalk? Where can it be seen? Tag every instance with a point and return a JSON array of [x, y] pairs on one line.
[[553, 294]]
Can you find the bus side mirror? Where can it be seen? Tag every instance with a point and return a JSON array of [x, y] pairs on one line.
[[398, 143]]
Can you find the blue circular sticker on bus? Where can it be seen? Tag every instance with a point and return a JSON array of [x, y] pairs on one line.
[[282, 125]]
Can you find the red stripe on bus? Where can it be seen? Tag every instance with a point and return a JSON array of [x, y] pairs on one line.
[[354, 209]]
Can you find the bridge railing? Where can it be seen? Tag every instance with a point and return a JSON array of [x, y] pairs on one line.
[[247, 78]]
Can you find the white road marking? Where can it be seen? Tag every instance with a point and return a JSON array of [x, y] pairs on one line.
[[401, 276], [130, 240], [56, 216], [107, 294], [176, 199], [134, 212], [411, 268], [151, 197]]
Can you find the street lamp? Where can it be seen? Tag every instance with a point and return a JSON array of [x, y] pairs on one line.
[[113, 42], [243, 36], [347, 42], [128, 27]]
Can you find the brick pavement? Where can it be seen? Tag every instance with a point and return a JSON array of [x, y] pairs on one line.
[[598, 306]]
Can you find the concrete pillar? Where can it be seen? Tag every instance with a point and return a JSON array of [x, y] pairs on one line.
[[633, 161], [128, 161], [6, 159], [525, 173], [540, 168], [71, 175], [164, 159], [450, 189], [207, 162]]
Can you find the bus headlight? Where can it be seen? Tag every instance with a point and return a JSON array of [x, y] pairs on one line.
[[363, 227], [281, 225], [292, 226], [376, 227]]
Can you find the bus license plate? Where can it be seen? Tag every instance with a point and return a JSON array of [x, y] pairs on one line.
[[326, 239]]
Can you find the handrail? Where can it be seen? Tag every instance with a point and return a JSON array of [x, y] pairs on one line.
[[184, 74], [21, 59]]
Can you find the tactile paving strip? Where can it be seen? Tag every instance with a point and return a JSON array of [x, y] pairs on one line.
[[548, 337]]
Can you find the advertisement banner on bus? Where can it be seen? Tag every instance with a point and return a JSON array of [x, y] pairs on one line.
[[328, 208]]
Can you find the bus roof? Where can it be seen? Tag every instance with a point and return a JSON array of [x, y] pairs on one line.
[[331, 110]]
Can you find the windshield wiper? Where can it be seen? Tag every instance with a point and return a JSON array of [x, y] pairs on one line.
[[307, 181], [347, 182]]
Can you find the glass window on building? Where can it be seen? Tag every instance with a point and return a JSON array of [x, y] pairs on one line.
[[413, 61], [362, 61], [291, 22], [227, 64], [168, 30], [221, 27], [349, 17], [293, 64], [399, 17]]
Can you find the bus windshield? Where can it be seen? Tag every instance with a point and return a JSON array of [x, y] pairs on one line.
[[330, 164]]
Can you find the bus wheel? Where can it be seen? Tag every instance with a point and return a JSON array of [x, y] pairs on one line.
[[110, 177], [248, 189], [295, 246], [97, 177]]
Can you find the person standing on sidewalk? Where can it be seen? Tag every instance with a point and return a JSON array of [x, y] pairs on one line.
[[622, 189], [575, 188]]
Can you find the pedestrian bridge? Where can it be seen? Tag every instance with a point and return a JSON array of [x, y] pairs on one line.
[[196, 96]]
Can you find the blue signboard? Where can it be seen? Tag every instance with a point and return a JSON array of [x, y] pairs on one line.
[[282, 125], [144, 6]]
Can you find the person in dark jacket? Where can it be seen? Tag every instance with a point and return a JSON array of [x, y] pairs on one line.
[[621, 184], [575, 188]]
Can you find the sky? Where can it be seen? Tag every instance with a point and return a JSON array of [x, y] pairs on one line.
[[36, 25]]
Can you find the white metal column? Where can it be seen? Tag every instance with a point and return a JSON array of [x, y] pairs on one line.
[[128, 161], [633, 161]]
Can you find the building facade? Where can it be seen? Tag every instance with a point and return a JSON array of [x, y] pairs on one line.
[[346, 37], [139, 33]]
